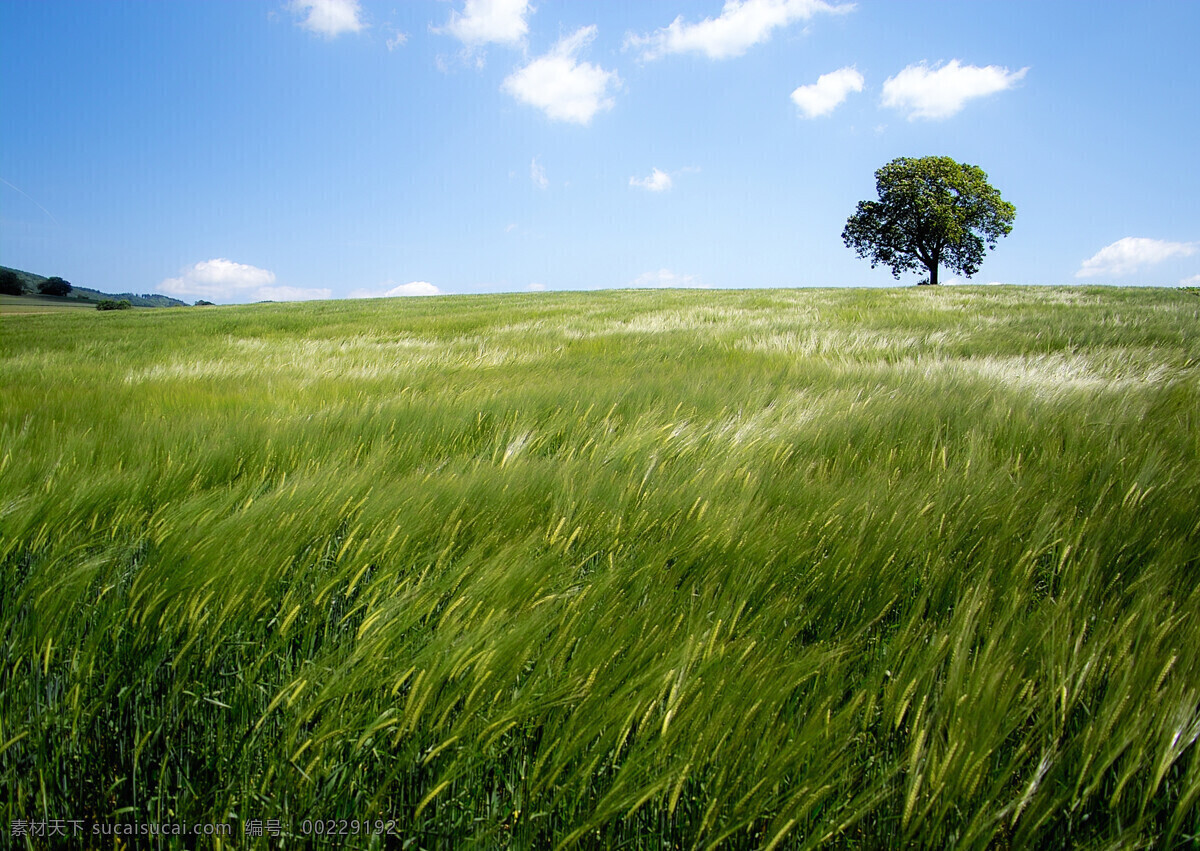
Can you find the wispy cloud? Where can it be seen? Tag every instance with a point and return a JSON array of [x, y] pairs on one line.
[[943, 90], [412, 288], [823, 96], [538, 174], [397, 39], [30, 198], [536, 287], [1129, 255], [666, 278], [741, 25], [560, 85], [329, 18], [658, 181], [490, 22], [226, 280]]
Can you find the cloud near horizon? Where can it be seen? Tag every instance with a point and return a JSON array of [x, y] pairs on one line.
[[943, 91], [225, 280], [667, 278], [1131, 254], [292, 294], [823, 96], [329, 18], [741, 25], [564, 88], [412, 288]]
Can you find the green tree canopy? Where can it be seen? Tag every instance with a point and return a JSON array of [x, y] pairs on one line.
[[931, 212], [55, 286], [10, 282]]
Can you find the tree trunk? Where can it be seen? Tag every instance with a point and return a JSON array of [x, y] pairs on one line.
[[933, 281]]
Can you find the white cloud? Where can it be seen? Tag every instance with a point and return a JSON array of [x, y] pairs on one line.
[[223, 279], [1193, 281], [823, 96], [399, 39], [656, 182], [944, 90], [538, 175], [665, 278], [490, 21], [562, 86], [329, 17], [412, 288], [741, 25], [536, 288], [1128, 255]]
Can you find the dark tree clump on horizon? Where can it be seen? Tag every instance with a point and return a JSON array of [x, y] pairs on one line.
[[10, 283], [55, 286]]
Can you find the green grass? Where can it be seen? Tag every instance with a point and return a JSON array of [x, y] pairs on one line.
[[797, 569], [12, 305]]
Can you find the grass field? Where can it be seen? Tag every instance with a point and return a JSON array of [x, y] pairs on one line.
[[16, 305], [794, 569]]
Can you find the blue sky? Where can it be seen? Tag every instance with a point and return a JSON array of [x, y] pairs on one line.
[[237, 150]]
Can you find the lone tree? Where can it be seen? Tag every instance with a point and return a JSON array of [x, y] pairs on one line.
[[931, 212], [55, 286]]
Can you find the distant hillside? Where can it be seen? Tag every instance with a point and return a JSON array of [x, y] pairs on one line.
[[85, 294], [29, 280], [143, 300]]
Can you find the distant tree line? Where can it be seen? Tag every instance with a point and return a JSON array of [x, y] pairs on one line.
[[10, 283], [15, 282], [55, 286]]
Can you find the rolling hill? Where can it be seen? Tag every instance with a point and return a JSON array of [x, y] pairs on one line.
[[91, 296]]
